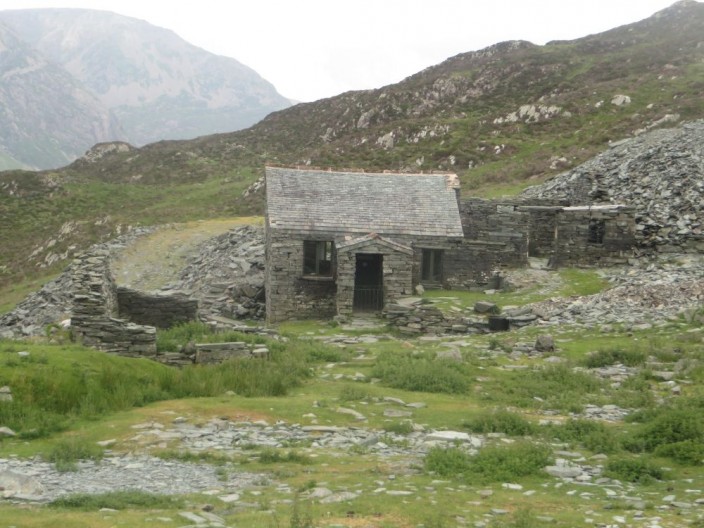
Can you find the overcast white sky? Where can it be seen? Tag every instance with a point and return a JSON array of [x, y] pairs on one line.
[[310, 49]]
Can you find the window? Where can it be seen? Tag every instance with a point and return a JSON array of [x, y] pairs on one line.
[[317, 258], [431, 268], [597, 228]]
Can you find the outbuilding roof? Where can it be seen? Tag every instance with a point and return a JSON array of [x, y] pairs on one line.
[[362, 202]]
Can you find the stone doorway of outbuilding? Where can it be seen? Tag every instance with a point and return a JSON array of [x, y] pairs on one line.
[[368, 283]]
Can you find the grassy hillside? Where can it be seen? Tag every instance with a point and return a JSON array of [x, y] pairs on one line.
[[502, 118], [526, 408]]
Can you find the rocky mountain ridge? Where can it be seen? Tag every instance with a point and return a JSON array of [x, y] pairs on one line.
[[501, 118], [30, 85], [150, 81], [511, 112]]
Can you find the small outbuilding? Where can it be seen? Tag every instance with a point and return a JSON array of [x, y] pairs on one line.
[[343, 242]]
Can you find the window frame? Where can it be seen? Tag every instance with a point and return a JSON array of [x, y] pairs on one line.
[[596, 231], [432, 265], [318, 257]]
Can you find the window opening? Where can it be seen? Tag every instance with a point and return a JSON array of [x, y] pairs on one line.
[[317, 257], [597, 228], [431, 268]]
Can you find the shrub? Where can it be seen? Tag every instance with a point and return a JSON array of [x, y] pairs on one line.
[[399, 428], [636, 470], [421, 373], [349, 394], [595, 436], [491, 464], [556, 387], [77, 383], [272, 456], [68, 452], [118, 500], [447, 462], [509, 462], [686, 452], [670, 426], [505, 422], [522, 518], [604, 358], [172, 339]]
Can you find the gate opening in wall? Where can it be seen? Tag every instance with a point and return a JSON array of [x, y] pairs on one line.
[[369, 283]]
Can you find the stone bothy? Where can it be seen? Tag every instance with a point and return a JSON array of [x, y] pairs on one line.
[[341, 242], [338, 242]]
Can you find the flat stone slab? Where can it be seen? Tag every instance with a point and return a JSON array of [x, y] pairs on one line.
[[563, 471], [454, 436]]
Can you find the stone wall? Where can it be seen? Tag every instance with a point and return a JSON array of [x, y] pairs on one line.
[[159, 309], [120, 320], [496, 237], [288, 294], [397, 271], [291, 295], [497, 223], [474, 264], [574, 245], [420, 318], [542, 225], [214, 353], [93, 320]]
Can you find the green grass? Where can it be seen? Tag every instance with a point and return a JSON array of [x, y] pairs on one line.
[[68, 452], [572, 282], [505, 463], [56, 385], [499, 396], [118, 500], [422, 373]]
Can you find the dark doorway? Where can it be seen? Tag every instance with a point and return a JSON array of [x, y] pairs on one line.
[[369, 283]]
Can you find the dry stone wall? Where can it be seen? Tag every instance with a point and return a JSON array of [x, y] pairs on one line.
[[94, 319], [159, 309], [289, 295], [659, 173], [420, 318], [575, 245]]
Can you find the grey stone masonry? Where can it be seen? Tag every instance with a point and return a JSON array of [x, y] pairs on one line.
[[93, 320], [397, 269], [599, 235], [497, 223], [159, 309], [543, 227], [290, 295], [211, 353]]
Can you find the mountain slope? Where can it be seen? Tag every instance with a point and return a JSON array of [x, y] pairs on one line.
[[509, 113], [513, 114], [37, 132], [157, 85]]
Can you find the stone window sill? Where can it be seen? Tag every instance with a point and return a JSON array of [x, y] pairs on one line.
[[317, 278]]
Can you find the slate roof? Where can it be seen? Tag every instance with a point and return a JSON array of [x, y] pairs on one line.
[[362, 202]]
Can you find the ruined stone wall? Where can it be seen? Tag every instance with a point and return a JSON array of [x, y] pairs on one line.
[[542, 226], [496, 237], [93, 320], [473, 264], [572, 243], [497, 223], [160, 310]]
